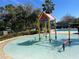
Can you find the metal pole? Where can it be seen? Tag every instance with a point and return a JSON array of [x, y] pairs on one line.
[[46, 29], [69, 35], [49, 29], [39, 25], [39, 29], [55, 30]]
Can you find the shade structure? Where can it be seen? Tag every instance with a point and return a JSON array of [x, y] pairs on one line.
[[50, 16], [45, 16]]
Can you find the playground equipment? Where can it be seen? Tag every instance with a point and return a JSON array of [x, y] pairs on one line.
[[43, 16], [69, 35], [48, 6]]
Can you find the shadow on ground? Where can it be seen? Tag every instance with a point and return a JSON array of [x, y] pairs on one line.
[[76, 33], [28, 43], [74, 42], [54, 43], [51, 45]]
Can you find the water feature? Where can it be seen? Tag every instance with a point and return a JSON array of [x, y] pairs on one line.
[[28, 47]]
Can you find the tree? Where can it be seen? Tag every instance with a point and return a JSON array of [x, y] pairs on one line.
[[19, 18], [1, 13], [10, 8], [66, 21], [68, 18], [2, 25], [34, 16], [22, 16], [48, 6]]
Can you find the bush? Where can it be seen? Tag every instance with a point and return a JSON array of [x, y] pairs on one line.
[[10, 35], [34, 32]]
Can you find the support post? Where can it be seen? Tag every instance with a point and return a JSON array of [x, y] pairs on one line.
[[45, 29], [49, 29], [69, 35], [39, 29], [55, 30], [39, 25]]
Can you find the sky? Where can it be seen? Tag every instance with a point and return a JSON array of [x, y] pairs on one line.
[[62, 7]]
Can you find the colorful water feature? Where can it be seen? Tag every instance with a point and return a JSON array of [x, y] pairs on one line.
[[28, 47]]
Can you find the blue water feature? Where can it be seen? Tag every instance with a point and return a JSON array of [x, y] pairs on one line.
[[28, 47]]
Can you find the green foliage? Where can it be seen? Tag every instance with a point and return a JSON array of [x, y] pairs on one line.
[[1, 25], [48, 6], [19, 18]]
